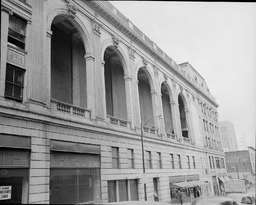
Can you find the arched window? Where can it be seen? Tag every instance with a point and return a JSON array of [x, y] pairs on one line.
[[145, 98], [183, 120], [114, 84], [68, 68], [167, 111]]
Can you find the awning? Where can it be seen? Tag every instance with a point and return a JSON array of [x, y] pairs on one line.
[[189, 184], [226, 178], [222, 179]]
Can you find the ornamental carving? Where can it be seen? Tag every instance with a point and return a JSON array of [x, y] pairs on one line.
[[72, 9], [174, 83], [115, 41], [145, 62], [131, 52], [96, 26], [156, 70], [165, 77]]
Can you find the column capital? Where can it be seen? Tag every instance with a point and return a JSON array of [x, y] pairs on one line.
[[172, 102], [153, 92], [128, 78], [89, 56]]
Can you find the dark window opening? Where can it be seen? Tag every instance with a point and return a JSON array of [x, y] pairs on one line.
[[16, 32], [14, 83]]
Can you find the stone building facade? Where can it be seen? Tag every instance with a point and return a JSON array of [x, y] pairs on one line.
[[80, 85]]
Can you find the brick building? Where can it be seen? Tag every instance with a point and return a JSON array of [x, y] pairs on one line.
[[79, 86]]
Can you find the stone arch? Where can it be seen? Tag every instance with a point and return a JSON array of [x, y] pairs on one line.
[[120, 53], [167, 108], [82, 30], [139, 66]]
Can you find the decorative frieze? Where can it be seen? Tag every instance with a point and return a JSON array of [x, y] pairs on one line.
[[16, 57]]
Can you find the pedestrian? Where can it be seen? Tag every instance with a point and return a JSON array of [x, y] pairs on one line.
[[155, 196], [179, 195]]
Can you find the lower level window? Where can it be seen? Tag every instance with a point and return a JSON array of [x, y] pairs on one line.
[[14, 82], [69, 186], [118, 190]]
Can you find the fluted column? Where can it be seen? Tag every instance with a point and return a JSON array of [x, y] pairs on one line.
[[128, 92], [100, 101], [155, 108], [47, 71], [175, 117], [90, 83], [137, 105], [161, 123]]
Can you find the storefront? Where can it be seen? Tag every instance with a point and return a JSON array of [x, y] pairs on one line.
[[74, 173], [189, 185], [14, 169]]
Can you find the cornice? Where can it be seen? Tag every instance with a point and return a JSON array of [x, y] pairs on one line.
[[19, 4]]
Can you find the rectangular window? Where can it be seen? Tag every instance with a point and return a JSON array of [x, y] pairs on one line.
[[210, 161], [134, 189], [112, 191], [159, 160], [188, 162], [172, 161], [123, 190], [130, 159], [213, 164], [16, 31], [148, 160], [217, 162], [179, 160], [194, 162], [115, 157], [14, 83]]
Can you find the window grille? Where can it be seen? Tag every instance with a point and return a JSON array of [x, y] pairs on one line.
[[14, 82]]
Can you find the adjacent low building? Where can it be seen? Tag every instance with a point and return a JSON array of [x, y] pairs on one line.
[[241, 164], [91, 110]]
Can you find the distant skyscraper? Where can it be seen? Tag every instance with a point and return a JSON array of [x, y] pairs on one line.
[[228, 136], [241, 141]]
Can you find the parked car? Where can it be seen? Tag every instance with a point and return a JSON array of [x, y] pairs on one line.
[[137, 203], [243, 198], [214, 200]]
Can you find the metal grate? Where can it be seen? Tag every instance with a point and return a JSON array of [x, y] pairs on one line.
[[14, 82]]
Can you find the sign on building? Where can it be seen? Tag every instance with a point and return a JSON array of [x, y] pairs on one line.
[[5, 192]]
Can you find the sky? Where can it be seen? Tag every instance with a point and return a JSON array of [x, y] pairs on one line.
[[218, 39]]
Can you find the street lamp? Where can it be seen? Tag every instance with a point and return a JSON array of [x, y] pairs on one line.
[[142, 149]]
